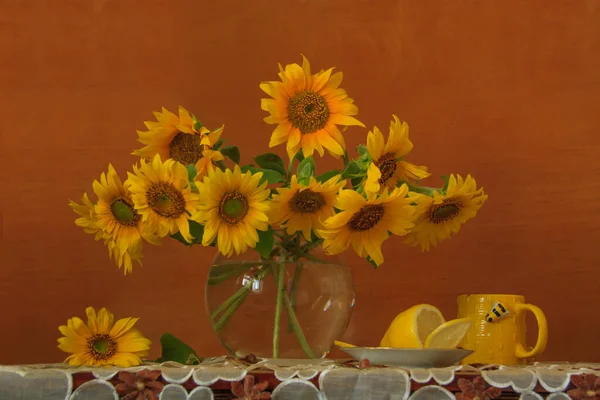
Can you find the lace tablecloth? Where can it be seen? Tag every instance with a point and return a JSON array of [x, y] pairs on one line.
[[319, 379]]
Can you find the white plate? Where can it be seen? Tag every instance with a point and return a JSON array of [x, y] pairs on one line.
[[408, 358]]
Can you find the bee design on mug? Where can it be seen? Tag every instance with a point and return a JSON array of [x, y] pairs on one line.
[[497, 311]]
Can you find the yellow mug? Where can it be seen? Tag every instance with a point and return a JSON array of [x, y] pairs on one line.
[[497, 335]]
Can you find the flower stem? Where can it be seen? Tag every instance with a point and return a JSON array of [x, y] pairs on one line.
[[294, 291], [294, 323], [230, 301], [229, 313], [296, 328], [280, 275], [420, 189]]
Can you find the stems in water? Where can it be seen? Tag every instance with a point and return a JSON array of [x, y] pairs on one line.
[[294, 291], [296, 328], [280, 275], [229, 313], [230, 300]]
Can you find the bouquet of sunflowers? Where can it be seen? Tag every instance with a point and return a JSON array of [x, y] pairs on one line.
[[189, 185]]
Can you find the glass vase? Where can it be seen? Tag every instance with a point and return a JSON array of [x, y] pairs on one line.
[[275, 309]]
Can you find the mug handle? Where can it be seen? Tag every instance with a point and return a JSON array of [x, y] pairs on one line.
[[542, 339]]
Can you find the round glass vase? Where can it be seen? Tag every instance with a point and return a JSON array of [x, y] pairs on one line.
[[275, 309]]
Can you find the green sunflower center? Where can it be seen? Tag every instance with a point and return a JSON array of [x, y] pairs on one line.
[[165, 200], [186, 148], [101, 346], [387, 165], [308, 111], [123, 211], [233, 208], [307, 202], [444, 212], [366, 218]]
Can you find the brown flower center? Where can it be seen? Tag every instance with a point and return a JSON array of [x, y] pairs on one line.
[[366, 218], [308, 111], [165, 200], [186, 148], [123, 211], [307, 202], [387, 165], [101, 346], [233, 207], [444, 212]]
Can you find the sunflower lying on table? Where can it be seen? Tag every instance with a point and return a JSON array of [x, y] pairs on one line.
[[191, 187]]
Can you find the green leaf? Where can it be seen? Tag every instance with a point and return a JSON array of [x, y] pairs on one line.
[[327, 175], [246, 168], [174, 349], [192, 171], [372, 262], [352, 170], [232, 152], [218, 144], [362, 150], [268, 174], [356, 182], [266, 240], [306, 168], [270, 161], [446, 179], [196, 230], [299, 155]]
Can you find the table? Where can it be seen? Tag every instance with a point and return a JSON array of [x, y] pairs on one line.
[[215, 378]]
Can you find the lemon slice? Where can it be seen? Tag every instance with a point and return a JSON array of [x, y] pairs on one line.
[[449, 335], [411, 328], [343, 344]]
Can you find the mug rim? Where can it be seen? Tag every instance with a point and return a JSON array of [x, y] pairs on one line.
[[492, 295]]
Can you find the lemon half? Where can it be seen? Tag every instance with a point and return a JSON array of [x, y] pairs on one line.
[[411, 328]]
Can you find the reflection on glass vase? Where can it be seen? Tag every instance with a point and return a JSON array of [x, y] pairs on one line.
[[301, 320]]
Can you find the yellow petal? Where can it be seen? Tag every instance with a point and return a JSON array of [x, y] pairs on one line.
[[412, 171], [374, 251], [91, 315], [347, 120], [373, 177], [294, 143], [280, 134], [330, 144], [375, 143], [349, 200], [126, 360], [105, 320], [122, 326]]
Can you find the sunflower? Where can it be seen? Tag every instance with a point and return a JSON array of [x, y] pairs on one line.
[[103, 342], [177, 137], [87, 217], [388, 166], [88, 221], [439, 217], [302, 208], [162, 197], [366, 223], [113, 219], [307, 109], [233, 207]]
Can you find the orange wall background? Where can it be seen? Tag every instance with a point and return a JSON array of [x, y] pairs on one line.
[[508, 91]]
